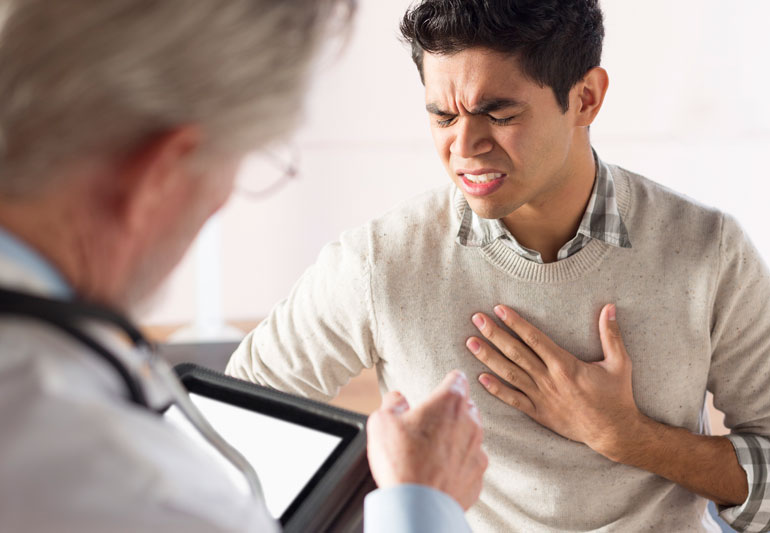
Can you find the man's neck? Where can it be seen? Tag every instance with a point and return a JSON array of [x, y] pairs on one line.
[[548, 224]]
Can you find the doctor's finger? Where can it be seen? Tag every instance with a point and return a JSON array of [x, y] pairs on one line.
[[460, 444], [450, 396], [395, 402], [469, 425]]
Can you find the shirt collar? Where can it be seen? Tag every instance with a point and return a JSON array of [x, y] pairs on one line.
[[601, 220], [17, 255]]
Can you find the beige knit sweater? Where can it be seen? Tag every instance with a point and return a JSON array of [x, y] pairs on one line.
[[693, 302]]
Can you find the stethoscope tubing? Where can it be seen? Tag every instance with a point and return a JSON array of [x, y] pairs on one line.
[[65, 316]]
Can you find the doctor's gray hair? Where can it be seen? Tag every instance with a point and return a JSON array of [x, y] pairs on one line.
[[82, 79]]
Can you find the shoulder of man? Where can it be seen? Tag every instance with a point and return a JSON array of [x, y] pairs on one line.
[[651, 209], [430, 217], [648, 190]]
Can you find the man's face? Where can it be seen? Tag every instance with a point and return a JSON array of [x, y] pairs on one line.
[[503, 138]]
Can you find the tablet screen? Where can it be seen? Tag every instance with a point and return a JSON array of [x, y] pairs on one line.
[[285, 455]]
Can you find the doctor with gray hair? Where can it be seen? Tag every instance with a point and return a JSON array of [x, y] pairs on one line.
[[122, 125]]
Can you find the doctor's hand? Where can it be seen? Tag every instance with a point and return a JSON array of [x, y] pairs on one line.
[[592, 403], [437, 443]]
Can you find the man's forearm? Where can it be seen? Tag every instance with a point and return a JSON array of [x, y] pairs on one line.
[[703, 464]]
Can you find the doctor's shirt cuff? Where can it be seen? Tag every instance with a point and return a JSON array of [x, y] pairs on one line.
[[412, 509]]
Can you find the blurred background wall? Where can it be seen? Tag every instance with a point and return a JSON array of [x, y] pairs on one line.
[[687, 107]]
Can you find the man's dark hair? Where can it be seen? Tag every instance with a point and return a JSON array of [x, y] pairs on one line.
[[556, 41]]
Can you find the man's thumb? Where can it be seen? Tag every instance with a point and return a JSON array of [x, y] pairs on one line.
[[609, 332]]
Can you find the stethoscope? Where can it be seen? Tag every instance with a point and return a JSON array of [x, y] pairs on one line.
[[66, 315]]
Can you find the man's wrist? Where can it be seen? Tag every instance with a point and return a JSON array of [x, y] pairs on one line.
[[702, 464], [628, 442]]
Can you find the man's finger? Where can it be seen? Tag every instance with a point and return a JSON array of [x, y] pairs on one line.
[[502, 366], [512, 397], [512, 348], [609, 333], [537, 341]]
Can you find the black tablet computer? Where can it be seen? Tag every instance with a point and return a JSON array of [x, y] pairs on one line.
[[310, 457]]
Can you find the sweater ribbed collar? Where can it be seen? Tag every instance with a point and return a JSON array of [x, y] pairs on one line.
[[501, 255]]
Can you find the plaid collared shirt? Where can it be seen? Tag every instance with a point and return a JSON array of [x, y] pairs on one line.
[[753, 453], [601, 220]]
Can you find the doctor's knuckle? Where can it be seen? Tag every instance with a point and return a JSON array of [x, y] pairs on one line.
[[453, 400]]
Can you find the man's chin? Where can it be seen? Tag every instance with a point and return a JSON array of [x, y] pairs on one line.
[[484, 208]]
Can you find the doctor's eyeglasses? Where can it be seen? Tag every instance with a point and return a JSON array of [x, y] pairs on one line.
[[264, 173]]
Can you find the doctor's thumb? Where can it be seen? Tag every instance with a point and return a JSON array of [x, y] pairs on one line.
[[395, 402]]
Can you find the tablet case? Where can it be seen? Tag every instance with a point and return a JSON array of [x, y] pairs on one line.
[[333, 499]]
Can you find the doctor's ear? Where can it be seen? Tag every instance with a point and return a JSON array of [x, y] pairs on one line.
[[157, 172], [588, 95]]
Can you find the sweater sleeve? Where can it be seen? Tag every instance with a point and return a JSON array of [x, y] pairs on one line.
[[313, 342], [739, 376]]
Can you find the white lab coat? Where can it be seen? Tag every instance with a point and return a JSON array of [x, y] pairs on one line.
[[76, 456]]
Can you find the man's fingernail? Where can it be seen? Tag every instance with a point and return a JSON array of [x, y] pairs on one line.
[[478, 320], [473, 345], [484, 379], [611, 312], [500, 311]]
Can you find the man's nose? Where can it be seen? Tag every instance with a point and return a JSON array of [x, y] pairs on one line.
[[471, 138]]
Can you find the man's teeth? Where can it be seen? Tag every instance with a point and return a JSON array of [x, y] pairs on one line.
[[482, 178]]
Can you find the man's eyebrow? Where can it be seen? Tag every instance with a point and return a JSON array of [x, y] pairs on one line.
[[487, 106], [434, 109]]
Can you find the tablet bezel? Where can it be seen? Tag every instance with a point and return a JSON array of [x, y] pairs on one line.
[[343, 478]]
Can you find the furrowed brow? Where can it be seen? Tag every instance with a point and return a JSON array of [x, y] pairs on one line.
[[488, 106], [434, 109]]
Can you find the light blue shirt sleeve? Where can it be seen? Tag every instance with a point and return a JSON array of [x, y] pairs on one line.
[[413, 509]]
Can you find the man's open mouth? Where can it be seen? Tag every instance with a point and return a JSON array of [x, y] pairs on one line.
[[483, 178]]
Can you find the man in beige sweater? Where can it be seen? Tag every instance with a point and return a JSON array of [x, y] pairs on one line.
[[587, 430]]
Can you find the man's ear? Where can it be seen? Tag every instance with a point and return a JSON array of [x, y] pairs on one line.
[[589, 95], [155, 173]]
